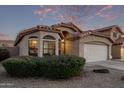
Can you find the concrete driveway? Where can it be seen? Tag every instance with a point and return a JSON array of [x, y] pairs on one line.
[[114, 64]]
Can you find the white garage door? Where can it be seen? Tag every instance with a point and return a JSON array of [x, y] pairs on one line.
[[94, 52]]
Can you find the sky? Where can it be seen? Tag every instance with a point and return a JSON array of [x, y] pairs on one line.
[[14, 19]]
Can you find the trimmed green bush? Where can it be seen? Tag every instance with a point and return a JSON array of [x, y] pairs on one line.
[[4, 53], [52, 67]]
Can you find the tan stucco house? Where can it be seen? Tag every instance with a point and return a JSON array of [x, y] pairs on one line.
[[66, 38]]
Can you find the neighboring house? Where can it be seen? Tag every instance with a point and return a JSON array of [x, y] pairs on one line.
[[7, 43], [66, 38]]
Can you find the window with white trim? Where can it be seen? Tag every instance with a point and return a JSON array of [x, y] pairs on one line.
[[33, 46], [49, 45]]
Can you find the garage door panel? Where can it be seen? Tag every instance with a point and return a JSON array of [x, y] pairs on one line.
[[94, 52]]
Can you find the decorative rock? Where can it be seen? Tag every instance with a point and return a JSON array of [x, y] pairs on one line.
[[101, 71]]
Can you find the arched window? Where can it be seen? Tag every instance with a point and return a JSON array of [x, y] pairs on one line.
[[33, 46], [48, 45], [49, 37]]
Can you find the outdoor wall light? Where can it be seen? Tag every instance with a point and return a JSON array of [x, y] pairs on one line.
[[62, 41]]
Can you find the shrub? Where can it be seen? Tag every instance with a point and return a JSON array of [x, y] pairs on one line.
[[52, 67], [4, 53], [19, 66], [60, 66]]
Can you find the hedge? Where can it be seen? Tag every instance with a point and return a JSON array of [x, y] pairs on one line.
[[63, 66], [4, 53]]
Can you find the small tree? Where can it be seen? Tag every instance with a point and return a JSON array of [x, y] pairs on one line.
[[4, 53]]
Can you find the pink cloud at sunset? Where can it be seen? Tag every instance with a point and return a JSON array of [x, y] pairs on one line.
[[106, 8], [80, 15], [4, 37], [75, 13], [43, 11], [105, 13], [86, 17]]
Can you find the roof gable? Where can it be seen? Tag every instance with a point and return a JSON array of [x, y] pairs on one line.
[[87, 33], [109, 29], [34, 30], [68, 25]]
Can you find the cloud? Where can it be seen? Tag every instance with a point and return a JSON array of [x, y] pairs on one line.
[[106, 13], [79, 14], [4, 36], [43, 11], [106, 8], [97, 27], [67, 18], [107, 16]]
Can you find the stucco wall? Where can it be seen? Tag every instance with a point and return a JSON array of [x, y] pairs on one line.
[[93, 39], [55, 35], [118, 35], [23, 45], [116, 52], [110, 33], [72, 47], [14, 51]]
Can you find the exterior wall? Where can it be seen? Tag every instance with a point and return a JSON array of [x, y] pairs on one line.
[[94, 39], [23, 45], [111, 34], [14, 51], [76, 47], [116, 51], [72, 47], [55, 35]]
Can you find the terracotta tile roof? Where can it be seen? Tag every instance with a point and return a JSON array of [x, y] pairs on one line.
[[68, 25], [108, 29], [54, 28], [95, 33], [36, 29], [118, 41]]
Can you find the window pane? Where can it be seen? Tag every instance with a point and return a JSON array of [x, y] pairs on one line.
[[33, 43], [49, 48], [45, 50], [45, 44], [33, 47]]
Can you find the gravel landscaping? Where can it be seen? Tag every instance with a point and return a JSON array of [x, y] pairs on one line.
[[88, 79]]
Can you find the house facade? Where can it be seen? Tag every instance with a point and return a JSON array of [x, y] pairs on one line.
[[67, 38]]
